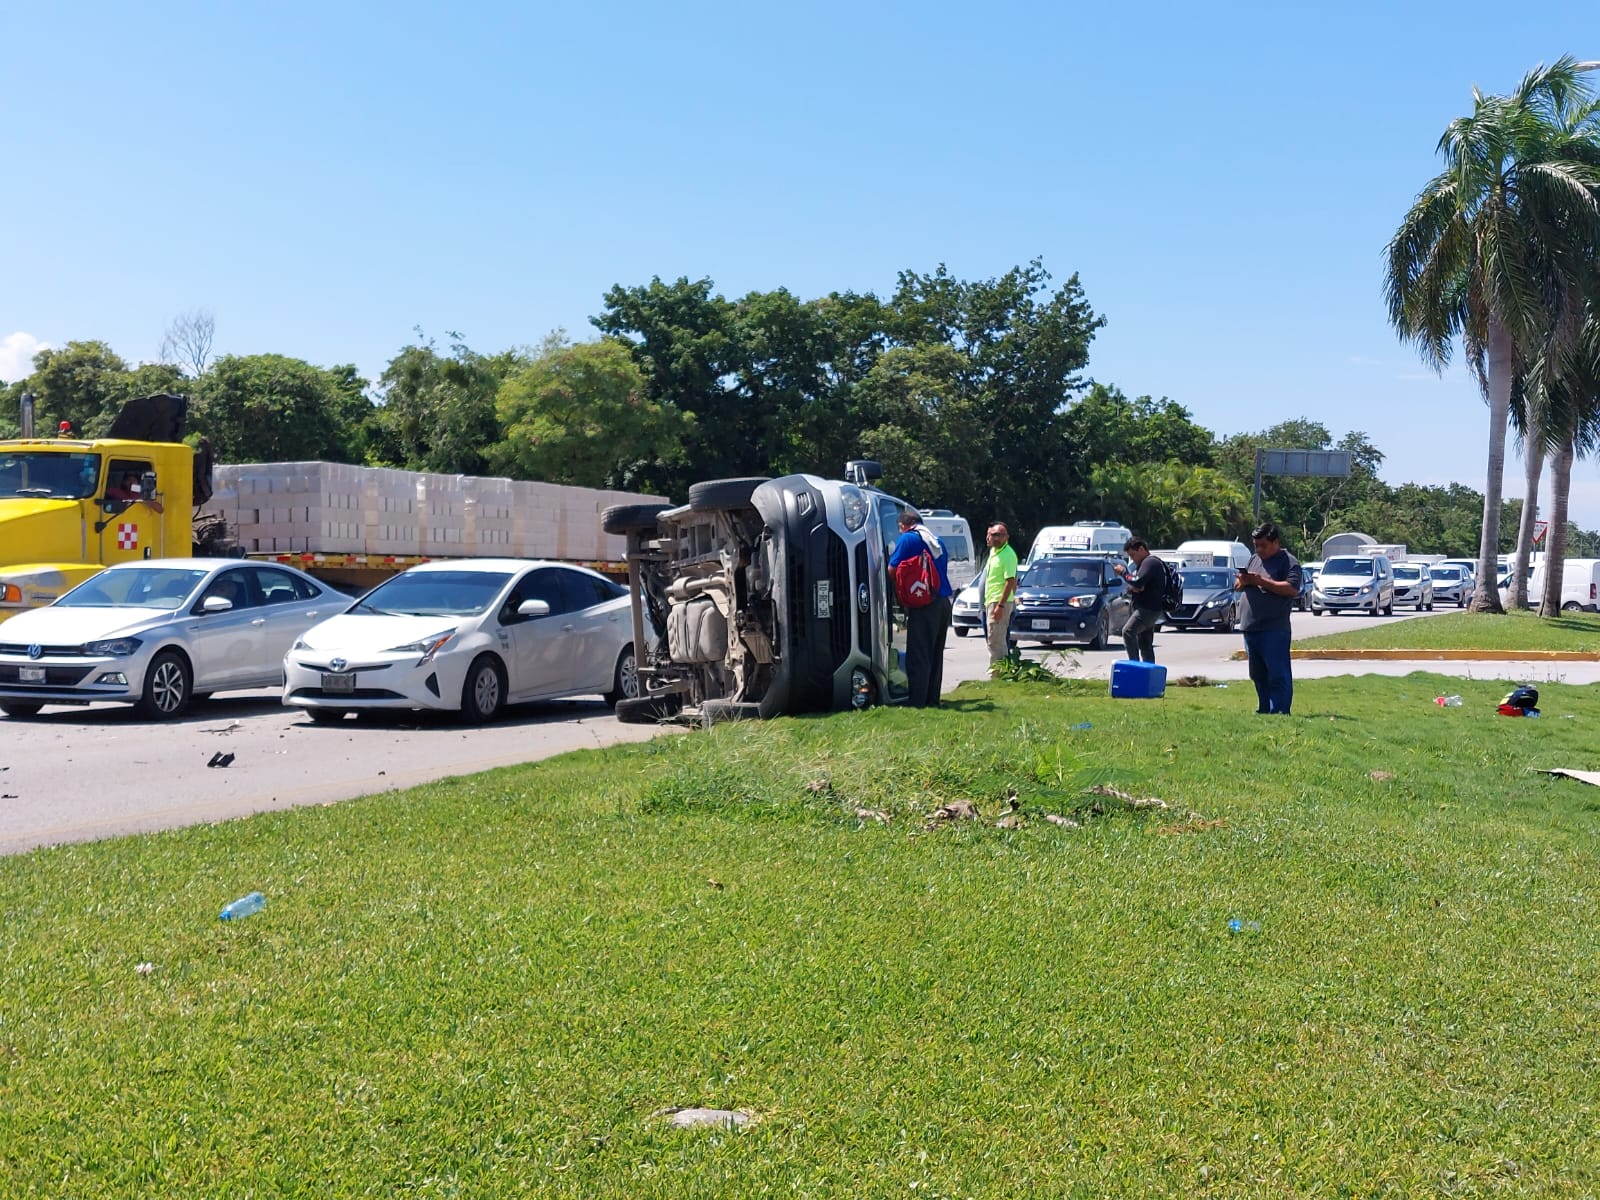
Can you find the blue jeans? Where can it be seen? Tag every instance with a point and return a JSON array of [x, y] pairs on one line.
[[1268, 651]]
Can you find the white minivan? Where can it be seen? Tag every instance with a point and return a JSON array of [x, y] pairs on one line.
[[955, 535], [1580, 585], [1081, 537]]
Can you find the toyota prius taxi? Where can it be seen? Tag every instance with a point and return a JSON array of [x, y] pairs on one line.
[[468, 636]]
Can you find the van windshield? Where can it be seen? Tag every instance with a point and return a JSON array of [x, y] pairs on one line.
[[1347, 566]]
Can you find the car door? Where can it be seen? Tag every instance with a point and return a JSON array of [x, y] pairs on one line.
[[227, 647], [600, 630], [1119, 606], [539, 651], [291, 604]]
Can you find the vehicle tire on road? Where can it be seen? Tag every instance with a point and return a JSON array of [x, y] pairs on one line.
[[715, 494], [325, 716], [625, 678], [13, 708], [483, 692], [166, 687], [962, 631], [1388, 609], [1571, 606], [1316, 612], [650, 710], [632, 518], [1098, 642]]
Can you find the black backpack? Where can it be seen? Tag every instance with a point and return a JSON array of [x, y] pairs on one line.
[[1172, 588]]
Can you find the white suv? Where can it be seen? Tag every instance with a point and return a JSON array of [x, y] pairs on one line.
[[1364, 583]]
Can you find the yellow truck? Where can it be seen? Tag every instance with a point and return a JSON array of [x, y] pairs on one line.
[[70, 506]]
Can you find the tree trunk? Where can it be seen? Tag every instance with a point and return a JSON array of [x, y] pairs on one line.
[[1533, 459], [1501, 361], [1555, 545]]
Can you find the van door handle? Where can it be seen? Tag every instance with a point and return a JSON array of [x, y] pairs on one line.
[[259, 621]]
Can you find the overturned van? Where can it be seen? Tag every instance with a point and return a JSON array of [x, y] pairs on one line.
[[764, 597]]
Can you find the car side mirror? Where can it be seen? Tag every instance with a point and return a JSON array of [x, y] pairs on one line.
[[534, 608], [216, 604]]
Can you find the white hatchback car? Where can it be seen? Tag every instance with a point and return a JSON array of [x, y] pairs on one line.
[[469, 635], [158, 633]]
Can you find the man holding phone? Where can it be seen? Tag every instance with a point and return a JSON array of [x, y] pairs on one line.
[[1269, 585]]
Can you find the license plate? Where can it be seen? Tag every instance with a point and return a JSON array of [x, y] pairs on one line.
[[30, 674], [339, 683], [1041, 623]]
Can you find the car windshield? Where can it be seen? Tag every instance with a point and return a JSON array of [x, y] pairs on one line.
[[435, 594], [1206, 580], [1073, 573], [1447, 574], [1347, 566], [48, 474], [1409, 573], [137, 587]]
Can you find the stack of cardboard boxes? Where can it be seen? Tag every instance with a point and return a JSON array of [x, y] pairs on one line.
[[332, 508]]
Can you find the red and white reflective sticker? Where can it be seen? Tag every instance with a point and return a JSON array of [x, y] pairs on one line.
[[127, 537]]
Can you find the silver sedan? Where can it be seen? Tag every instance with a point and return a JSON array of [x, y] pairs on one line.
[[159, 633]]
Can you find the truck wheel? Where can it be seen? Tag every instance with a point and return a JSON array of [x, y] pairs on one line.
[[716, 494], [650, 710], [625, 679], [632, 518], [166, 687], [483, 693], [13, 708]]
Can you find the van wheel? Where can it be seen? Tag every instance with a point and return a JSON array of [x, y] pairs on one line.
[[483, 693], [1570, 606], [1315, 611], [631, 518], [962, 631], [625, 679], [166, 687], [715, 494]]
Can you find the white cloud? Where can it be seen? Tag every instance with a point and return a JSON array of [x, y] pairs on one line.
[[16, 355]]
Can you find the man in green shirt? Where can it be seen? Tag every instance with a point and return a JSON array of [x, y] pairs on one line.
[[999, 590]]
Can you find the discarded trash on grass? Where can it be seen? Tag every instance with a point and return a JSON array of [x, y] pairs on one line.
[[692, 1118], [1238, 926], [145, 968], [244, 906]]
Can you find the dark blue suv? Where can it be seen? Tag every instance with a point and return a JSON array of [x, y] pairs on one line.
[[1079, 600]]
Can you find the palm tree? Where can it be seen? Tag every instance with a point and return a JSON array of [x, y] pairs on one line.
[[1495, 251], [1528, 420], [1568, 392]]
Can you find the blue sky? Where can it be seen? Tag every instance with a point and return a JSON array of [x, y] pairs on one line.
[[326, 177]]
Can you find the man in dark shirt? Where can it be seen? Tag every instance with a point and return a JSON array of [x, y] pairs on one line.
[[1269, 587], [1146, 583]]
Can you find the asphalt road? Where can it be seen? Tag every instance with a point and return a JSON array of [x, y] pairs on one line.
[[77, 774]]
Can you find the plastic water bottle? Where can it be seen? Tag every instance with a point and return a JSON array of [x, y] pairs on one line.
[[1448, 701], [244, 906], [1238, 926]]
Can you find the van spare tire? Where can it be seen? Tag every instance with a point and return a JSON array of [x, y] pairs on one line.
[[632, 518], [715, 494]]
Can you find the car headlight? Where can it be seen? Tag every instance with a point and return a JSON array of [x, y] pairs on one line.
[[1081, 601], [113, 647], [1365, 588], [427, 647], [854, 505], [1218, 601]]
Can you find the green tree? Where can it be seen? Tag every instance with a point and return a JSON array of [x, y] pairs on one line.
[[1167, 502], [87, 383], [269, 408], [436, 411], [1306, 508], [923, 426], [579, 415], [1494, 251]]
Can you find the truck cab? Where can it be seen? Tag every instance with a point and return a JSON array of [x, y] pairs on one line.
[[70, 507]]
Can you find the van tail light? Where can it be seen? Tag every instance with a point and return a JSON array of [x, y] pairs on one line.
[[1591, 593]]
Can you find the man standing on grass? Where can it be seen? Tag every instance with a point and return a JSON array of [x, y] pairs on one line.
[[999, 586], [927, 627], [1147, 585], [1270, 585]]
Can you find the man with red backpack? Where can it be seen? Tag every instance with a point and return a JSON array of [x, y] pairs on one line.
[[921, 572]]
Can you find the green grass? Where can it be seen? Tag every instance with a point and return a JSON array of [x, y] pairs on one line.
[[1470, 631], [484, 987]]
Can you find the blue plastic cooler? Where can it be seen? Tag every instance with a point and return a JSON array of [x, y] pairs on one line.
[[1137, 680]]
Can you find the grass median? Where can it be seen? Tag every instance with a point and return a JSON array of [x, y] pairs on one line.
[[1509, 632], [487, 986]]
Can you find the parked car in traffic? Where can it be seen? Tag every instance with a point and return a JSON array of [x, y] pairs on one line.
[[469, 636], [1359, 583], [966, 613], [1413, 585], [1308, 584], [766, 597], [1070, 600], [159, 634], [1209, 601], [1451, 585]]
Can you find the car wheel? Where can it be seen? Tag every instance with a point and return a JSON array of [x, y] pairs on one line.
[[199, 698], [15, 709], [962, 631], [166, 687], [715, 494], [1316, 612], [1388, 609], [325, 716], [483, 693], [632, 518], [1461, 601], [650, 710], [1098, 642], [625, 679]]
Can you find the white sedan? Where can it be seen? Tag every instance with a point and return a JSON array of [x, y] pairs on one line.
[[468, 635], [158, 633]]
